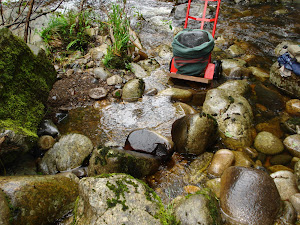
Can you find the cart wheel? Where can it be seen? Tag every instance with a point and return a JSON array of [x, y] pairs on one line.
[[218, 69]]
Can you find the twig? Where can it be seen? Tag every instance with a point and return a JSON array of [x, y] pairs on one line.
[[28, 20], [35, 17]]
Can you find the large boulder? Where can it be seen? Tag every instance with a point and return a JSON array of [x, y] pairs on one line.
[[112, 160], [39, 199], [68, 153], [233, 114], [248, 196], [193, 134], [25, 81], [116, 199], [290, 85]]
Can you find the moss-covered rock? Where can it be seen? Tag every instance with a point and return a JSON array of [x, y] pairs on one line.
[[25, 81], [39, 199]]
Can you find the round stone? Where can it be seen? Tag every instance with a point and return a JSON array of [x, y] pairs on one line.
[[222, 159], [292, 144], [46, 142], [267, 143], [97, 93], [293, 107]]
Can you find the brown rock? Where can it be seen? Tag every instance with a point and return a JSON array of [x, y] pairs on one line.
[[46, 142], [293, 107], [222, 159]]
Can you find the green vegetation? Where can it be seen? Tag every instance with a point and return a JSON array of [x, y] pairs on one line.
[[117, 54], [25, 81], [68, 32]]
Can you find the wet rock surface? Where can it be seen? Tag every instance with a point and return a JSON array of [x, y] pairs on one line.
[[248, 196], [116, 199]]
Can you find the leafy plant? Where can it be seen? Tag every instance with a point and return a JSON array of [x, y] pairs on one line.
[[117, 55], [67, 32]]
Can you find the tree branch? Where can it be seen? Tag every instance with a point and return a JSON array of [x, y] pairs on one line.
[[28, 20]]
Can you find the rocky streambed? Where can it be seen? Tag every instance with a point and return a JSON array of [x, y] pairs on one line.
[[221, 153]]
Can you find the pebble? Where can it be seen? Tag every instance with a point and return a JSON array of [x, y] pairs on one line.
[[222, 159], [295, 200], [268, 143], [114, 80], [46, 142], [97, 93], [293, 107], [292, 144]]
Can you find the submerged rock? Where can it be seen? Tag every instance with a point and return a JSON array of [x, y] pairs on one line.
[[177, 94], [116, 199], [39, 199], [193, 134], [106, 160], [248, 196], [68, 153]]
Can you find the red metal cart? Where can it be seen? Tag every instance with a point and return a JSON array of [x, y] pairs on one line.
[[213, 69]]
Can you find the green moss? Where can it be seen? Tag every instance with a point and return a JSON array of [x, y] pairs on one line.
[[25, 82], [75, 211]]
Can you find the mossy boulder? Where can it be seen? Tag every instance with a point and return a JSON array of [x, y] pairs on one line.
[[39, 199], [25, 81], [117, 199]]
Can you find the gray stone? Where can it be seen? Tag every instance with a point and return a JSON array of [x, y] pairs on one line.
[[235, 51], [248, 196], [97, 93], [68, 153], [297, 173], [112, 160], [295, 200], [197, 209], [235, 87], [267, 143], [98, 52], [233, 115], [114, 80], [116, 199], [292, 144], [233, 68], [139, 71], [101, 73], [133, 90], [288, 213], [149, 64], [289, 85], [180, 11], [177, 94], [39, 199], [286, 183], [193, 134]]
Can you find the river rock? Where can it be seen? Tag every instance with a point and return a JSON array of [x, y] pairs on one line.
[[248, 196], [68, 153], [281, 159], [295, 200], [133, 90], [47, 127], [289, 85], [269, 98], [185, 107], [233, 68], [180, 11], [288, 214], [222, 159], [5, 214], [286, 183], [97, 93], [101, 73], [139, 71], [235, 51], [193, 134], [259, 73], [233, 115], [116, 199], [149, 142], [235, 87], [292, 144], [242, 159], [267, 143], [215, 186], [149, 64], [112, 160], [177, 94], [293, 107], [197, 209], [114, 80], [297, 173], [39, 199]]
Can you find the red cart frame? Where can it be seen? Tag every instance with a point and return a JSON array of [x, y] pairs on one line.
[[210, 69]]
